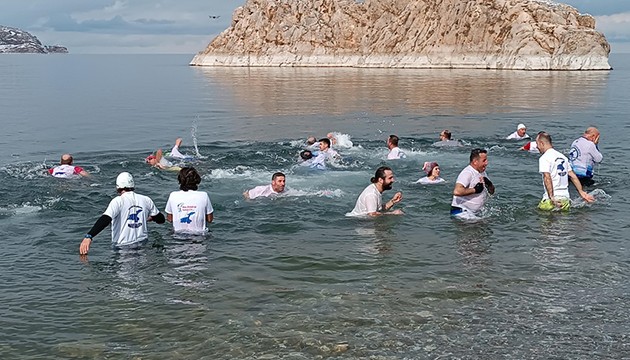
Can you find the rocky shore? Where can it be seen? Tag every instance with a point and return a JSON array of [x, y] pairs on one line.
[[13, 40], [484, 34]]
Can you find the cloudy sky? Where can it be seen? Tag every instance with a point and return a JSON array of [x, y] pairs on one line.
[[186, 26]]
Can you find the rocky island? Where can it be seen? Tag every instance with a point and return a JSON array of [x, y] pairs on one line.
[[14, 40], [484, 34]]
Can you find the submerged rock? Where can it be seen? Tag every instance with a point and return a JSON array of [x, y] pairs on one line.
[[13, 40], [486, 34]]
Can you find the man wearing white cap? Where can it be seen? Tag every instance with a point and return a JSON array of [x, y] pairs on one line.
[[519, 134], [128, 213]]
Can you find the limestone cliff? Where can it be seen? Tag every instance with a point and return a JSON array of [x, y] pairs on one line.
[[13, 40], [488, 34]]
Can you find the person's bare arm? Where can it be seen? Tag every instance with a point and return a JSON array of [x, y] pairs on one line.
[[578, 185]]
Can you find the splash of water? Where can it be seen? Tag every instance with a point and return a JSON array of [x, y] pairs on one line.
[[193, 134]]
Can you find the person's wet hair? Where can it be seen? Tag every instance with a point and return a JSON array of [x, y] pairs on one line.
[[326, 141], [475, 153], [188, 178], [446, 134], [306, 154], [277, 175], [380, 174], [393, 139]]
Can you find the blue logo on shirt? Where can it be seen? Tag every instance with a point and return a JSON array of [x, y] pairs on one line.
[[133, 220], [574, 153], [186, 219], [560, 167]]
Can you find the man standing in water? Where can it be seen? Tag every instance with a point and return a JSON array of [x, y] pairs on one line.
[[556, 171], [370, 202], [276, 187], [188, 209], [128, 213], [472, 186], [584, 154]]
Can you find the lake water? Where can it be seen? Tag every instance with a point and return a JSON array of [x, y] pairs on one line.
[[292, 277]]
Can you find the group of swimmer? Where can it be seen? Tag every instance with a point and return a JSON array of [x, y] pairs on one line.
[[190, 210]]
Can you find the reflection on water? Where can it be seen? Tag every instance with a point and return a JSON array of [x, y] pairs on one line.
[[292, 277], [302, 91]]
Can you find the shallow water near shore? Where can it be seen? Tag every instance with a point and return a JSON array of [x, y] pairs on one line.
[[292, 277]]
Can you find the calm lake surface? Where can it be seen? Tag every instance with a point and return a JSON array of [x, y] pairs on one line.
[[292, 277]]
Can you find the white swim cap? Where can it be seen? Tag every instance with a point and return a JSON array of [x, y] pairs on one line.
[[521, 126], [124, 180]]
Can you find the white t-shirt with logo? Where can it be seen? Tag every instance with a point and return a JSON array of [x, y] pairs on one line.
[[189, 210], [558, 166], [129, 213], [396, 153], [65, 171], [583, 155], [263, 191], [369, 201], [469, 177]]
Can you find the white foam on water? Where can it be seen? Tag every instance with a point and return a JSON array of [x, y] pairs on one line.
[[26, 171], [239, 172], [334, 193], [27, 207], [343, 141]]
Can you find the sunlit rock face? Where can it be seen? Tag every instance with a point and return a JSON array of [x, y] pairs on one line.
[[485, 34], [14, 40]]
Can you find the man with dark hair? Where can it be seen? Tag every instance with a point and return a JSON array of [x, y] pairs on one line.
[[556, 172], [128, 213], [445, 139], [370, 202], [276, 187], [472, 186], [445, 135], [394, 150], [326, 154], [188, 209], [66, 170], [584, 154]]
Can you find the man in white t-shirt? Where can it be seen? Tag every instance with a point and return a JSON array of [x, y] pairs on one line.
[[394, 150], [472, 186], [188, 209], [519, 134], [128, 214], [325, 154], [370, 202], [584, 154], [65, 169], [277, 187], [556, 172]]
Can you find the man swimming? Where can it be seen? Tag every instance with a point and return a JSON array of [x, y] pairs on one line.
[[65, 169], [159, 160], [277, 187]]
